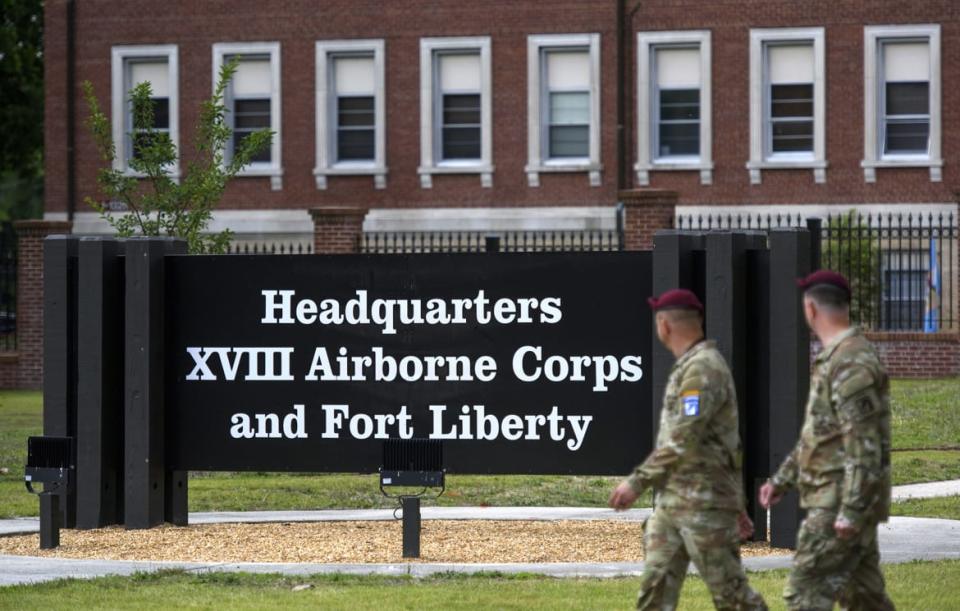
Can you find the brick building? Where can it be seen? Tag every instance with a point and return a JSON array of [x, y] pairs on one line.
[[505, 115]]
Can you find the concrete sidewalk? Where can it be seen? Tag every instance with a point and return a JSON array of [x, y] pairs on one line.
[[928, 490], [901, 540]]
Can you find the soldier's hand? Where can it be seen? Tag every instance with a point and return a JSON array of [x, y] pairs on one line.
[[844, 529], [769, 495], [745, 526], [622, 497]]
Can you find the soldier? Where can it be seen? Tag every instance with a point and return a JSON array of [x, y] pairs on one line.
[[841, 463], [695, 469]]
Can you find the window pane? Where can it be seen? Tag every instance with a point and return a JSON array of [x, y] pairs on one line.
[[570, 141], [251, 114], [355, 145], [907, 136], [461, 109], [161, 113], [908, 98], [570, 108], [679, 104], [791, 100], [240, 135], [461, 143], [355, 111], [792, 136], [679, 139]]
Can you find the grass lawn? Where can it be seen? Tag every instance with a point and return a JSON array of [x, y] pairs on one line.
[[930, 586], [947, 507], [925, 431]]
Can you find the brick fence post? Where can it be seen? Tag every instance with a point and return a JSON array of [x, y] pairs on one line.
[[30, 236], [337, 229], [645, 212]]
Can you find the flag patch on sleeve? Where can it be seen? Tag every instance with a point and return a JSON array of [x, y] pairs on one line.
[[691, 403]]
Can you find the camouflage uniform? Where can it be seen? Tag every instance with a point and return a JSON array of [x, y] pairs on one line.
[[695, 469], [841, 465]]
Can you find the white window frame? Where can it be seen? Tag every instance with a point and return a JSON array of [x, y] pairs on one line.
[[120, 91], [273, 169], [873, 156], [429, 162], [761, 156], [326, 119], [646, 115], [536, 94]]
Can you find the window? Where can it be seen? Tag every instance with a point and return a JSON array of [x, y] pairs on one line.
[[455, 109], [902, 99], [787, 101], [351, 117], [563, 106], [906, 98], [904, 289], [673, 104], [458, 108], [252, 99], [131, 66]]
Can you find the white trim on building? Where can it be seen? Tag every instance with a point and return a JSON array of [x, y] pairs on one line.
[[274, 168], [762, 43], [122, 58], [874, 156], [327, 51], [647, 159], [431, 161], [538, 160]]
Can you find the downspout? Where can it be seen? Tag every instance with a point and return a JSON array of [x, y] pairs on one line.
[[621, 99], [71, 109], [624, 86]]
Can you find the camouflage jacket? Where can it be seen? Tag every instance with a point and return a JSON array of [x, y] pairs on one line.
[[842, 459], [697, 458]]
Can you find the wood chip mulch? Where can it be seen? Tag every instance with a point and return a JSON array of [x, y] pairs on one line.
[[473, 541]]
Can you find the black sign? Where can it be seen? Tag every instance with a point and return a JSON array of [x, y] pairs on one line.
[[521, 363]]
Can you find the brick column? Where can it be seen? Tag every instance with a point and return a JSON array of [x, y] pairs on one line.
[[337, 229], [30, 236], [645, 212]]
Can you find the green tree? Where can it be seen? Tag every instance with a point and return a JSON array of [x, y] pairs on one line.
[[850, 249], [156, 203], [21, 109]]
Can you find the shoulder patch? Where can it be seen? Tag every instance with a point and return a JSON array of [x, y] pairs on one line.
[[691, 403]]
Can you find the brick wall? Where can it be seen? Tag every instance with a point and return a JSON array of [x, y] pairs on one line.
[[913, 355], [297, 24], [24, 369], [645, 212], [337, 229], [919, 355]]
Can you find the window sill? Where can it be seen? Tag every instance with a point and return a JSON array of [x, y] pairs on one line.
[[819, 167], [274, 173], [905, 161], [556, 165], [379, 173], [643, 170], [453, 167]]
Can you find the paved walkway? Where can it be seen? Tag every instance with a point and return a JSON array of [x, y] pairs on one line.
[[901, 540], [926, 491]]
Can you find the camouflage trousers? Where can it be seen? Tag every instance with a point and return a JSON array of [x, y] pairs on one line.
[[672, 538], [828, 569]]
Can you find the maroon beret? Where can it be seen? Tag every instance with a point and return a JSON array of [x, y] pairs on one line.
[[675, 299], [824, 276]]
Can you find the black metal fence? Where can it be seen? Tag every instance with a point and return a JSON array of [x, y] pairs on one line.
[[903, 268], [412, 242], [270, 248], [8, 287]]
